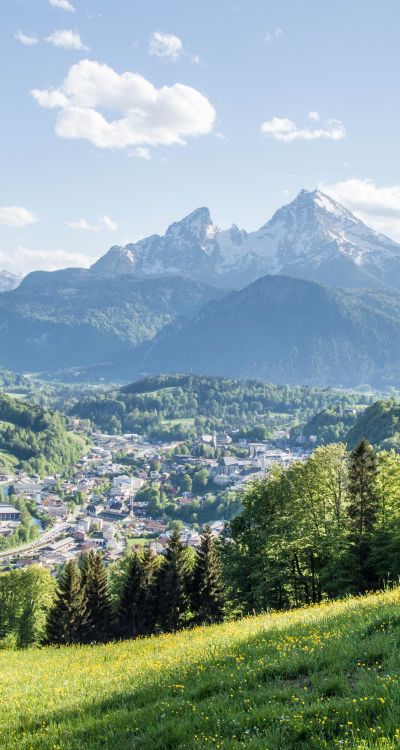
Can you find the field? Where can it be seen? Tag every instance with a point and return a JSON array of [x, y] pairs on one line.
[[137, 540], [321, 677]]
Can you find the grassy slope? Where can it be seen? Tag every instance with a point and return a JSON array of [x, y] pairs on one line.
[[322, 677], [8, 462]]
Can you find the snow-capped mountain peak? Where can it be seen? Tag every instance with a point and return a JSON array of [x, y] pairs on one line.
[[313, 237], [196, 225]]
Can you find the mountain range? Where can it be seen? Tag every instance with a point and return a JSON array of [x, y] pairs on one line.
[[310, 297], [313, 238], [286, 330], [74, 318]]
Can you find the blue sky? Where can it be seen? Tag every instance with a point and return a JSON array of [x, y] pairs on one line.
[[233, 104]]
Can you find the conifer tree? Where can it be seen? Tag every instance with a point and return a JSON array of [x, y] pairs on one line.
[[67, 620], [207, 588], [363, 508], [99, 607], [136, 615], [173, 585]]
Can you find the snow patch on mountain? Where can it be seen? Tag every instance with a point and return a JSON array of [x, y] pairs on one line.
[[9, 280]]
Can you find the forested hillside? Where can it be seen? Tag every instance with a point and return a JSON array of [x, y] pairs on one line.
[[34, 439], [75, 318], [286, 330], [379, 423], [175, 406]]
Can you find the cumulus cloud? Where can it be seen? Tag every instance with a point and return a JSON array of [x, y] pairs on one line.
[[25, 260], [283, 129], [165, 45], [146, 116], [62, 5], [314, 116], [170, 47], [27, 39], [104, 223], [66, 39], [379, 207], [16, 217]]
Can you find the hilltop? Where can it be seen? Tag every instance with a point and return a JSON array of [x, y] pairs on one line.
[[379, 423], [34, 439], [320, 677], [169, 405]]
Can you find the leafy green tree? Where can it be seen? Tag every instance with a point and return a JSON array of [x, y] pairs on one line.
[[26, 596], [208, 597], [363, 510]]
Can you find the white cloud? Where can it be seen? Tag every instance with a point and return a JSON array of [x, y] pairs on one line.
[[104, 223], [62, 5], [66, 39], [378, 207], [165, 45], [109, 224], [282, 129], [27, 39], [314, 116], [142, 153], [25, 260], [269, 36], [16, 217], [50, 99], [147, 116], [170, 47]]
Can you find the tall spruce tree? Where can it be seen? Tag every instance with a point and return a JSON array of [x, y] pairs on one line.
[[362, 509], [207, 589], [99, 627], [174, 585], [136, 615], [67, 622]]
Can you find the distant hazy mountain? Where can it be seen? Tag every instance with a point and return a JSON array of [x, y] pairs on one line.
[[286, 330], [76, 318], [9, 280], [313, 238]]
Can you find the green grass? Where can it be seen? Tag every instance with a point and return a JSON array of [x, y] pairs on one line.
[[140, 540], [321, 677]]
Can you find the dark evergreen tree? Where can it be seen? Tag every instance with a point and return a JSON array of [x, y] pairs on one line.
[[363, 508], [99, 627], [207, 589], [173, 585], [67, 622], [136, 615]]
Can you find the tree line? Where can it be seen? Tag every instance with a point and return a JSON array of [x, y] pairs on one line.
[[144, 594], [322, 528], [212, 402]]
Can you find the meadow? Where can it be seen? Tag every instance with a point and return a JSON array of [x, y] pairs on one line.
[[325, 676]]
